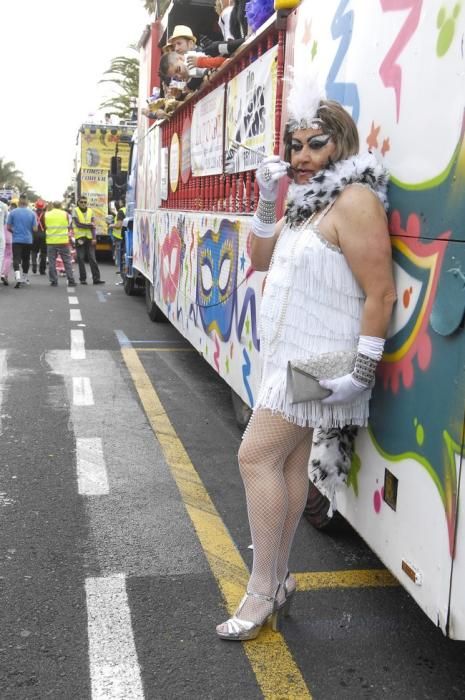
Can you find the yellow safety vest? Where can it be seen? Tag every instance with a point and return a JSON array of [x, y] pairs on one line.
[[56, 227], [84, 217], [118, 232]]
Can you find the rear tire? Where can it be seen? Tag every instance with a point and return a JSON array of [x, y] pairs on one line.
[[129, 286], [242, 411], [316, 510], [154, 311]]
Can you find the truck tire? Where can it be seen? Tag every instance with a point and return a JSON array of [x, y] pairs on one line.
[[316, 510], [242, 411], [154, 311], [129, 286]]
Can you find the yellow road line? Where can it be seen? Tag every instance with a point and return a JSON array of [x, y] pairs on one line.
[[366, 578], [276, 671]]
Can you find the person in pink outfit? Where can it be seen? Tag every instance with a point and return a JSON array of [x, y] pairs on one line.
[[5, 243]]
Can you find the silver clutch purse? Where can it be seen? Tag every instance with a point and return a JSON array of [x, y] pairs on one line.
[[303, 375]]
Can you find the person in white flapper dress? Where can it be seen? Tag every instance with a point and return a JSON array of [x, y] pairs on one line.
[[329, 293]]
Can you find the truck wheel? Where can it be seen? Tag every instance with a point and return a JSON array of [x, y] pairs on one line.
[[154, 311], [129, 286], [242, 411], [316, 510]]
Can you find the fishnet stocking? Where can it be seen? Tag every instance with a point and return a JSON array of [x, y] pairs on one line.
[[273, 460], [296, 478]]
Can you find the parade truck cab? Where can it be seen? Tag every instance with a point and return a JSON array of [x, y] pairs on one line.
[[102, 162], [143, 161], [133, 281]]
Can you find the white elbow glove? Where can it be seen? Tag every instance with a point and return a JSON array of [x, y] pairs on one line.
[[349, 387]]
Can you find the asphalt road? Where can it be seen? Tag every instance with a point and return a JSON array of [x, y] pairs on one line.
[[109, 588]]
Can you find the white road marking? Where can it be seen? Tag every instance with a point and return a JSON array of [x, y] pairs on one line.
[[101, 296], [91, 470], [3, 376], [78, 349], [82, 392], [73, 300], [114, 667], [75, 315]]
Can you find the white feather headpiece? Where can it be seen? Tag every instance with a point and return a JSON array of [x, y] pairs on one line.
[[304, 100]]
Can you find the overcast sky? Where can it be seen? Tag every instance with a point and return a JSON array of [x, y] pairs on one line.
[[52, 55]]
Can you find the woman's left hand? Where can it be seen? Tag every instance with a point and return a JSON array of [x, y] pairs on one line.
[[344, 389]]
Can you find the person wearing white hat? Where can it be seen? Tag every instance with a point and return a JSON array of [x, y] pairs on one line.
[[182, 40]]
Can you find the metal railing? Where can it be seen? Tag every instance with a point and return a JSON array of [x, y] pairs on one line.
[[224, 192]]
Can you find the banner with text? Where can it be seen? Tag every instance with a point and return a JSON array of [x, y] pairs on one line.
[[250, 113], [207, 134], [94, 184]]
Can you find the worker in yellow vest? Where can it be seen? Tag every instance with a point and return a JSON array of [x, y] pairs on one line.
[[57, 225], [118, 237], [85, 236]]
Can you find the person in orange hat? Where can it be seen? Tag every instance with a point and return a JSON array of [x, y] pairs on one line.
[[39, 247], [182, 40]]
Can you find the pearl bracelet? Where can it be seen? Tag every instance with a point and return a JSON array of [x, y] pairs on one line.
[[266, 211], [365, 370], [264, 219]]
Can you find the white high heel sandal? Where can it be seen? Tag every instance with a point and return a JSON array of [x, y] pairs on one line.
[[238, 630], [285, 607]]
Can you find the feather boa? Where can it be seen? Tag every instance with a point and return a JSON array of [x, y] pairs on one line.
[[258, 11], [331, 459], [326, 185]]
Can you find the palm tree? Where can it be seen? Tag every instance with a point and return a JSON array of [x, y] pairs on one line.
[[158, 6], [9, 175], [29, 192], [124, 76]]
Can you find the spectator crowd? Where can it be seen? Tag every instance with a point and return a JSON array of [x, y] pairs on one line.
[[54, 236], [188, 61]]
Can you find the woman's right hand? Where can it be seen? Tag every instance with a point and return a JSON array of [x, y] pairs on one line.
[[268, 175], [191, 61]]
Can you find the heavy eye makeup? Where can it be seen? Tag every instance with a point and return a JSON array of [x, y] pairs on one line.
[[315, 143]]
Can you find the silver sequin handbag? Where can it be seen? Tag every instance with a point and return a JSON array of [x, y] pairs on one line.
[[303, 375]]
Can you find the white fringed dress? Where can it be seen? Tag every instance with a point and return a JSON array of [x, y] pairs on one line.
[[311, 304]]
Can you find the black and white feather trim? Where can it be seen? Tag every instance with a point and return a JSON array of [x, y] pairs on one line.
[[331, 459], [326, 185]]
